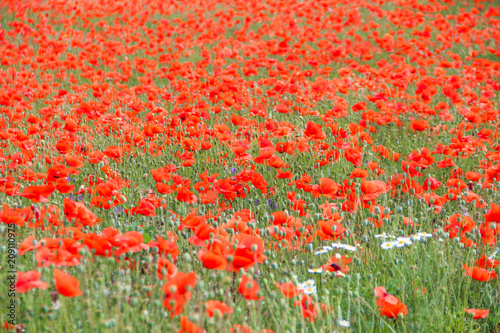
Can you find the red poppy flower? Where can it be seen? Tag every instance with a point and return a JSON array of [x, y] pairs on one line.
[[331, 229], [214, 306], [288, 289], [38, 193], [389, 305], [66, 285], [419, 125], [249, 289], [131, 241], [80, 214], [307, 307], [189, 327], [249, 250], [393, 310], [29, 280], [213, 257], [176, 292], [478, 314], [479, 274], [493, 215], [373, 189], [353, 156], [485, 262], [327, 187]]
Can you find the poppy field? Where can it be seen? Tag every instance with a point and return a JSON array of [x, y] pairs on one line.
[[249, 166]]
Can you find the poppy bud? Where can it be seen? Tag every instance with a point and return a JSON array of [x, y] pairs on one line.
[[309, 247], [187, 257]]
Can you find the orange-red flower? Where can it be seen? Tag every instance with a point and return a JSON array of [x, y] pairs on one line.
[[308, 307], [288, 289], [249, 289], [327, 187], [419, 125], [477, 313], [66, 285], [373, 189], [389, 305], [214, 306], [331, 229], [29, 280], [249, 250], [354, 156], [493, 215], [38, 193], [479, 274], [177, 293], [188, 326]]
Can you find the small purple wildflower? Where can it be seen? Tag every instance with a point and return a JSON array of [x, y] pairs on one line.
[[271, 204]]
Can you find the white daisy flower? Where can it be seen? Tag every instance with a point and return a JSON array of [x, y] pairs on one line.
[[416, 237], [424, 234], [388, 245], [336, 245], [320, 252], [318, 270], [406, 240], [400, 243], [350, 248], [310, 290], [307, 284], [344, 323]]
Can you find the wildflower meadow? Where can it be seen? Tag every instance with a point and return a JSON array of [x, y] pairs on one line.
[[249, 166]]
